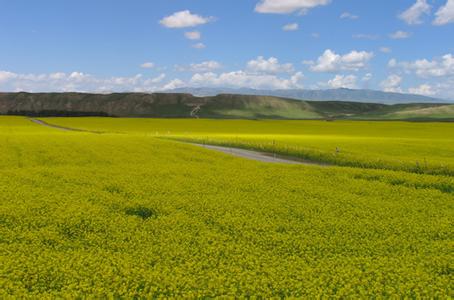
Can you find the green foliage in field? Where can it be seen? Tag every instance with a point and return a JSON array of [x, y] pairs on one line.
[[415, 147], [132, 215]]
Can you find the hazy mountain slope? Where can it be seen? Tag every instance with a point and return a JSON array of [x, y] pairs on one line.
[[368, 96], [220, 106], [258, 107], [437, 112]]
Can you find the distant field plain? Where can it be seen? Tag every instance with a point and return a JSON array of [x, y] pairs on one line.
[[410, 146]]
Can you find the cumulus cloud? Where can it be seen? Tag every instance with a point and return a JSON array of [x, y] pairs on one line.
[[147, 65], [291, 27], [206, 66], [242, 79], [5, 76], [367, 77], [270, 65], [347, 15], [288, 6], [329, 61], [362, 36], [154, 80], [400, 35], [392, 63], [437, 67], [444, 88], [199, 46], [413, 15], [79, 77], [392, 83], [183, 19], [77, 82], [174, 84], [445, 14], [57, 76], [193, 35], [259, 73], [342, 81], [423, 89]]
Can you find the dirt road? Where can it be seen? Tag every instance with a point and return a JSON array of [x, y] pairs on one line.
[[258, 156], [248, 154]]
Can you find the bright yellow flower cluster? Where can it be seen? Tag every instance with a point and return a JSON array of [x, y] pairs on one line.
[[131, 215]]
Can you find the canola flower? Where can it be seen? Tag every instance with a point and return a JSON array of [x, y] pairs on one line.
[[407, 146], [135, 216]]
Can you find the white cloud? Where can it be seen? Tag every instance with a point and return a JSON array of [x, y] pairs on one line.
[[444, 88], [423, 89], [296, 79], [362, 36], [399, 35], [259, 73], [157, 79], [412, 16], [240, 79], [193, 35], [291, 27], [392, 83], [271, 66], [78, 76], [445, 14], [437, 67], [77, 82], [183, 19], [199, 46], [5, 76], [392, 63], [206, 66], [174, 84], [57, 76], [385, 49], [288, 6], [347, 15], [343, 81], [147, 65], [82, 82], [123, 81], [367, 77], [329, 61]]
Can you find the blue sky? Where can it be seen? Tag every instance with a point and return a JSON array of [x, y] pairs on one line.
[[148, 45]]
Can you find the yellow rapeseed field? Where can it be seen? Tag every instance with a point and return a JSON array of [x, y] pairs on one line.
[[409, 146], [130, 213]]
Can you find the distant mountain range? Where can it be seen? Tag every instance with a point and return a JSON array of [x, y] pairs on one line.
[[365, 96]]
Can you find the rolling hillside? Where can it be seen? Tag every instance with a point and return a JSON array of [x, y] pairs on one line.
[[164, 105], [341, 94]]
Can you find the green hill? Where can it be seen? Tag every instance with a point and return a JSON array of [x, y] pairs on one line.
[[160, 105], [438, 112]]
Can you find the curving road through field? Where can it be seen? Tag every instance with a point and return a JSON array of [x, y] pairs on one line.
[[259, 156], [248, 154]]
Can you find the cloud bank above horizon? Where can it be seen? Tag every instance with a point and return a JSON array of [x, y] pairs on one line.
[[266, 46]]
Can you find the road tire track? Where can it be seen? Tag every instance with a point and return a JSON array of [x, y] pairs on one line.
[[41, 122]]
